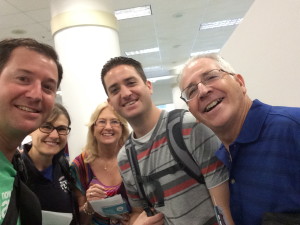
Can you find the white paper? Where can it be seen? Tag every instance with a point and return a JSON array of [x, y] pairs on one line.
[[56, 218], [110, 207]]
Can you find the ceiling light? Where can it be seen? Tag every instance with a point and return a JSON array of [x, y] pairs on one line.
[[144, 51], [205, 52], [133, 12], [152, 68], [222, 23], [154, 79]]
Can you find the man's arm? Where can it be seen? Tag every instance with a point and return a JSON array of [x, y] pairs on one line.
[[220, 197], [139, 217]]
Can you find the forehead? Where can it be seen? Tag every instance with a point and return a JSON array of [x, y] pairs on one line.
[[34, 62], [60, 120], [195, 69], [120, 73], [107, 113]]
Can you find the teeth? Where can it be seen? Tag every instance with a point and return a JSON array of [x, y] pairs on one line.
[[107, 134], [51, 142], [213, 104], [130, 103], [24, 108]]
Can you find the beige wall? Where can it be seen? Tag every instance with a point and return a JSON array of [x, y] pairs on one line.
[[265, 49]]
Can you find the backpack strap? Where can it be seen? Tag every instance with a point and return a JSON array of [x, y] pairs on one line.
[[131, 154], [65, 168], [178, 147], [12, 213], [23, 202]]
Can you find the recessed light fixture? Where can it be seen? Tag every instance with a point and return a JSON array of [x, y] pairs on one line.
[[222, 23], [144, 51], [133, 12], [205, 52]]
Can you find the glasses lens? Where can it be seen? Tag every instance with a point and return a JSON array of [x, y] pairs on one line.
[[113, 123], [46, 128], [63, 130]]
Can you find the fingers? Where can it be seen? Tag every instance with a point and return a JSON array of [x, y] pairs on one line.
[[95, 192], [157, 219]]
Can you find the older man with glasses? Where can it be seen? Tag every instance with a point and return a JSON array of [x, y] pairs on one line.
[[261, 143]]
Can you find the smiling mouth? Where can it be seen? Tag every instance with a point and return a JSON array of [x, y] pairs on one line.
[[24, 108], [130, 103], [213, 105]]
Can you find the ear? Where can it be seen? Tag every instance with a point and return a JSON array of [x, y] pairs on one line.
[[149, 85], [239, 78]]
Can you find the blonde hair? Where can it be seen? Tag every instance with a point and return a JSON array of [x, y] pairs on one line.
[[91, 145]]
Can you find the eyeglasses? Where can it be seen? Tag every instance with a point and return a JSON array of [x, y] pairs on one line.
[[61, 130], [112, 123], [208, 78]]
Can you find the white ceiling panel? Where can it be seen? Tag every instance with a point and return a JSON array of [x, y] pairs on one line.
[[173, 27]]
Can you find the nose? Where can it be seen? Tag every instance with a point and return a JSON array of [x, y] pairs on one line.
[[54, 133], [35, 91], [125, 92], [107, 125], [203, 90]]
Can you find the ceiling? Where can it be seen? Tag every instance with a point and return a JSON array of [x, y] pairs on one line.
[[173, 27]]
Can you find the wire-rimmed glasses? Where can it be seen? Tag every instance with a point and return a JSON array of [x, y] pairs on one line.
[[208, 78]]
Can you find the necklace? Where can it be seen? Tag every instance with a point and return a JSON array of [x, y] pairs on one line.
[[109, 167]]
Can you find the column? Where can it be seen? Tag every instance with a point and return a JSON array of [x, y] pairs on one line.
[[85, 37]]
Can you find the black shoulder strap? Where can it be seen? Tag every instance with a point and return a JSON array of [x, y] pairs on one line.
[[12, 213], [131, 154], [23, 202], [178, 147], [65, 168]]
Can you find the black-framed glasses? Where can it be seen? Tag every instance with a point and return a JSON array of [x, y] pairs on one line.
[[103, 122], [208, 78], [61, 130]]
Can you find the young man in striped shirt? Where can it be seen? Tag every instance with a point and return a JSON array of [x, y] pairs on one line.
[[177, 198]]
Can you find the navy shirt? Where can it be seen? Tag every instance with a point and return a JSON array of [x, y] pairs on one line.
[[264, 164]]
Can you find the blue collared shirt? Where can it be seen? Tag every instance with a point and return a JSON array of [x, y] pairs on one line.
[[264, 164]]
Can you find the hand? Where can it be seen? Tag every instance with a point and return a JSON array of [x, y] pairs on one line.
[[143, 219], [95, 192]]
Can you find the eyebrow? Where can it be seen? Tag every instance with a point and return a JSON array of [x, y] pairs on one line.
[[125, 80], [30, 73]]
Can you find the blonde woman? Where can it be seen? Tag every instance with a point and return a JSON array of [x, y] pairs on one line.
[[96, 168]]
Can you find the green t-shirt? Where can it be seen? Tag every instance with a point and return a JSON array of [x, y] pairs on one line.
[[7, 176]]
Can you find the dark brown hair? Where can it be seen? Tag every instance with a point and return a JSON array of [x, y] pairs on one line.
[[121, 60]]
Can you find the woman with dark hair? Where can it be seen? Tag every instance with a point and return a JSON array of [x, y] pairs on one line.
[[96, 168], [47, 167]]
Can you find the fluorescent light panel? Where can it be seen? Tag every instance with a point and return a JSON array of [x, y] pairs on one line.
[[205, 52], [133, 12], [144, 51], [222, 23], [154, 79]]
